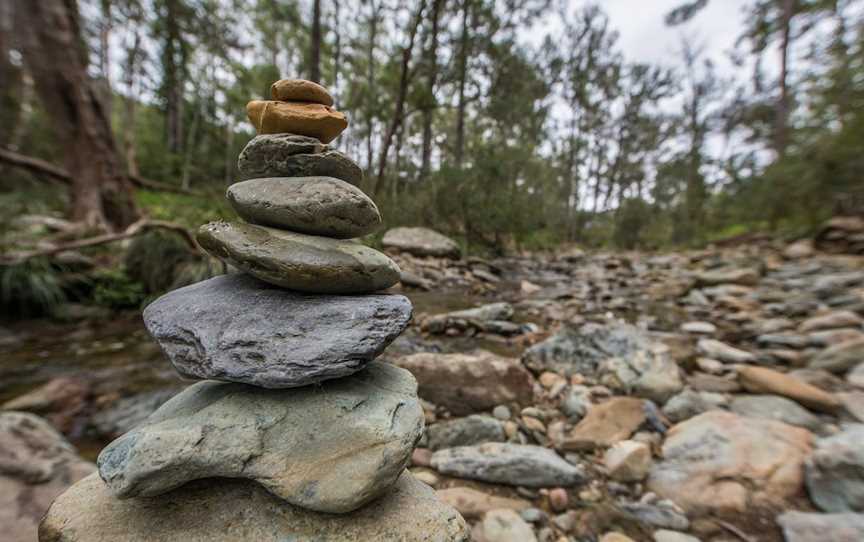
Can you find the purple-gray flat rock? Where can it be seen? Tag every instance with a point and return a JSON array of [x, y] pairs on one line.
[[238, 329]]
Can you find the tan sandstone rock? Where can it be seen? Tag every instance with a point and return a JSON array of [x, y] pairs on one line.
[[308, 119], [300, 90], [762, 380], [605, 424]]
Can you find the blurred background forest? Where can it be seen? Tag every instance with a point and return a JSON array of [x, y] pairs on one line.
[[508, 125]]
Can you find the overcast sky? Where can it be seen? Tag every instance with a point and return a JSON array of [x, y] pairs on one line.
[[644, 36]]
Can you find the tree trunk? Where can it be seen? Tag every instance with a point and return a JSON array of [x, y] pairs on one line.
[[174, 68], [463, 76], [431, 79], [370, 84], [315, 43], [131, 107], [781, 127], [337, 49], [404, 80], [105, 52], [11, 77], [100, 195]]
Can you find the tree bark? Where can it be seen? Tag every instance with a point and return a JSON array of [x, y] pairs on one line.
[[174, 75], [11, 77], [781, 128], [370, 83], [463, 76], [404, 80], [315, 43], [431, 80], [100, 195]]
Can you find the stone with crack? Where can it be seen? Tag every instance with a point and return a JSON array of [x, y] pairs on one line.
[[235, 328], [330, 448]]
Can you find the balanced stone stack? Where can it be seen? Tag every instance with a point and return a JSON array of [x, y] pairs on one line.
[[295, 432]]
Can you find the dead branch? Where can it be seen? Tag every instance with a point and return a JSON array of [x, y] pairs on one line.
[[56, 173], [134, 229]]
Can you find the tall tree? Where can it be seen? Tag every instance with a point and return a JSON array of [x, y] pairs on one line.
[[100, 194], [315, 43], [429, 104]]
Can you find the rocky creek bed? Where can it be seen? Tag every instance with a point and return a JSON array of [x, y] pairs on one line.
[[712, 395]]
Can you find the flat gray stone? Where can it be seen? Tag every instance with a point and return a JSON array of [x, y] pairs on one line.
[[314, 205], [835, 471], [474, 429], [812, 527], [219, 510], [238, 329], [421, 242], [330, 448], [290, 155], [774, 407], [513, 464], [305, 263]]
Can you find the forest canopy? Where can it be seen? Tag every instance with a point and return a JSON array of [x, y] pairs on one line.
[[462, 119]]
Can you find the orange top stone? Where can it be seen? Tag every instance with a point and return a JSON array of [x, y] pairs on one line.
[[300, 90], [301, 118]]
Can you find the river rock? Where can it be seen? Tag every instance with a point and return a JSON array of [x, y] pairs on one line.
[[220, 510], [774, 407], [841, 357], [330, 448], [740, 276], [621, 353], [474, 504], [421, 242], [305, 263], [691, 403], [628, 461], [63, 401], [475, 429], [291, 155], [36, 464], [835, 471], [512, 464], [721, 351], [300, 90], [725, 463], [605, 424], [467, 383], [313, 205], [764, 380], [308, 119], [831, 320], [236, 328], [126, 413], [812, 527], [505, 525]]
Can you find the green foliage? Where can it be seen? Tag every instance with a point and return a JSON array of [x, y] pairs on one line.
[[31, 288], [188, 210], [152, 260], [115, 289]]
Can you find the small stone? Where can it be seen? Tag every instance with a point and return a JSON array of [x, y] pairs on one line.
[[605, 424], [474, 429], [513, 464], [533, 424], [426, 476], [225, 510], [331, 448], [835, 471], [699, 328], [831, 320], [721, 351], [743, 276], [665, 535], [234, 328], [691, 403], [558, 499], [774, 407], [615, 537], [506, 526], [421, 242], [312, 205], [467, 383], [566, 521], [308, 119], [812, 527], [474, 504], [501, 412], [628, 461], [764, 380], [299, 262], [840, 358], [576, 402], [300, 90], [657, 515], [421, 457], [533, 515]]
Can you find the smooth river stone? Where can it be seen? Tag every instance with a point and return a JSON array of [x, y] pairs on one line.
[[306, 263], [229, 510], [314, 205], [291, 155], [303, 118], [238, 329], [330, 448], [300, 90]]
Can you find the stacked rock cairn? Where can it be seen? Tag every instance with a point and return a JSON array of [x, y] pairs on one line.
[[295, 432]]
